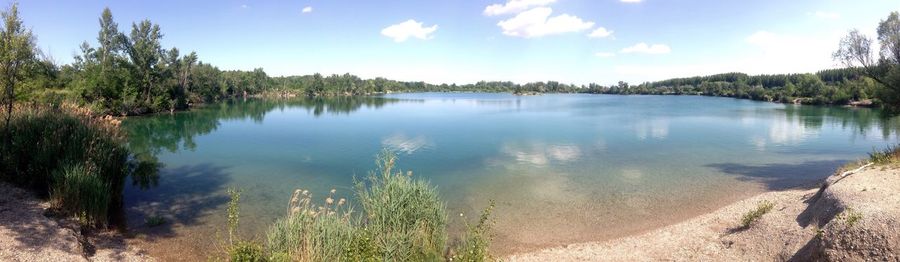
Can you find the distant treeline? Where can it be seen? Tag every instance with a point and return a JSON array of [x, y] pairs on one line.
[[833, 86], [130, 74]]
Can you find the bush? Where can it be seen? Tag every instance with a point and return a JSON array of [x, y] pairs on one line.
[[243, 251], [475, 244], [65, 151], [402, 219], [761, 209], [407, 212]]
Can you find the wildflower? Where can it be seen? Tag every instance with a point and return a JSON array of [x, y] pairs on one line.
[[333, 190], [341, 202], [329, 201]]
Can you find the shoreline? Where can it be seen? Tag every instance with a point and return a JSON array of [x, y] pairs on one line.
[[805, 224], [27, 233]]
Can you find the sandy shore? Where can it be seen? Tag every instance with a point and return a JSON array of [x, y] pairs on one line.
[[27, 235], [851, 219]]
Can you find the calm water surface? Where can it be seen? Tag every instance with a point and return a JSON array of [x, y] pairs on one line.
[[562, 168]]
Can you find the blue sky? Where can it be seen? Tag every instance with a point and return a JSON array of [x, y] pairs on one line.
[[467, 41]]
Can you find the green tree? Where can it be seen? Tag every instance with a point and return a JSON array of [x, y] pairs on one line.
[[145, 51], [17, 54], [856, 51]]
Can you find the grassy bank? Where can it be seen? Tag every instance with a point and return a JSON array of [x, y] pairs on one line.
[[401, 219], [78, 161]]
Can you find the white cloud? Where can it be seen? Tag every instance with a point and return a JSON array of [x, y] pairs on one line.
[[630, 1], [537, 22], [766, 53], [644, 48], [604, 54], [790, 52], [403, 31], [600, 32], [514, 6], [827, 15], [307, 9]]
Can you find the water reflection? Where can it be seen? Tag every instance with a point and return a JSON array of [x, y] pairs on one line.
[[172, 132], [793, 125], [862, 121], [399, 142], [541, 154], [657, 128]]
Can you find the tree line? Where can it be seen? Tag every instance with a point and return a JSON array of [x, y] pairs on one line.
[[834, 86]]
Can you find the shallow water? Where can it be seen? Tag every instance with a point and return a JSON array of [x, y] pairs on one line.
[[562, 168]]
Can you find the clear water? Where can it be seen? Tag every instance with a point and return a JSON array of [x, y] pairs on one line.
[[562, 168]]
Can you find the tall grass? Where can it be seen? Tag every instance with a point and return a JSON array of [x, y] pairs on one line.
[[77, 191], [65, 152], [315, 233], [889, 155], [407, 212], [402, 219]]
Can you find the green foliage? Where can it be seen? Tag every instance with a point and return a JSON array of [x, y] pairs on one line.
[[834, 86], [402, 219], [889, 155], [314, 233], [66, 153], [857, 51], [75, 190], [17, 56], [851, 217], [761, 209], [475, 244], [407, 211], [245, 251]]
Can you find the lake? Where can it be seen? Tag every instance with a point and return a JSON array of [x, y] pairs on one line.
[[562, 168]]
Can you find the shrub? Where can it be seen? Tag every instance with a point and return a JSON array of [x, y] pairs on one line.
[[245, 251], [64, 150], [402, 219], [407, 212], [474, 246], [761, 209]]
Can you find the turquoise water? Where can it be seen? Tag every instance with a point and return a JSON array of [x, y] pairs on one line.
[[562, 168]]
